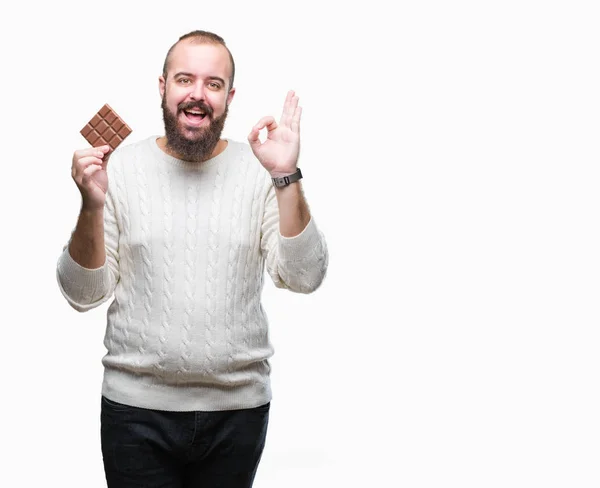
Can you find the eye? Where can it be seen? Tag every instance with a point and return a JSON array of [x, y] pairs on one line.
[[183, 81], [214, 85]]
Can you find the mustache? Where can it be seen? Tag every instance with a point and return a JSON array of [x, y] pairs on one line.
[[200, 105]]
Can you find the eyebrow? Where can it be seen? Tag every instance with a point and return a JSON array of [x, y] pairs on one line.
[[191, 75]]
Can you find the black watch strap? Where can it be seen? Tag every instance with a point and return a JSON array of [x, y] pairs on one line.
[[286, 180]]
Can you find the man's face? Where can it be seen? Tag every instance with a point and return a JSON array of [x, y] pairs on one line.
[[195, 98]]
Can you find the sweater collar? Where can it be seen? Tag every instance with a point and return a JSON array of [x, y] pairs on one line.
[[162, 156]]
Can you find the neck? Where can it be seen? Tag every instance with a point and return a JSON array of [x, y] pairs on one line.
[[162, 144]]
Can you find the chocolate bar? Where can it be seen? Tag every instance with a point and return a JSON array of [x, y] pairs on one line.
[[106, 127]]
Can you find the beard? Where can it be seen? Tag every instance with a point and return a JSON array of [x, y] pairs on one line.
[[200, 147]]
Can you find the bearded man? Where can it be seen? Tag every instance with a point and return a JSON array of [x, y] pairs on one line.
[[179, 230]]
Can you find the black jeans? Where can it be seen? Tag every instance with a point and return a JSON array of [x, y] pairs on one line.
[[152, 449]]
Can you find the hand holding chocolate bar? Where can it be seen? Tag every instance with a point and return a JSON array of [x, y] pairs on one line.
[[89, 172], [105, 131]]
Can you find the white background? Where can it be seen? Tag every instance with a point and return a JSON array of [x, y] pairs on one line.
[[451, 158]]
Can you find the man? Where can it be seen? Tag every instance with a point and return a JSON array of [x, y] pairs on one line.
[[180, 229]]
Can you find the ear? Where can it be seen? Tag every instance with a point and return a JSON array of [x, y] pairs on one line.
[[230, 95], [161, 86]]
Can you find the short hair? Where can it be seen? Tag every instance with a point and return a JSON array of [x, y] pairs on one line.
[[201, 37]]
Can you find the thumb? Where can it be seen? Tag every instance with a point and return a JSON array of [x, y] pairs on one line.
[[107, 152], [268, 122], [253, 138]]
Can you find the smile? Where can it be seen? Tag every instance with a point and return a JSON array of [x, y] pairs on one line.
[[194, 117]]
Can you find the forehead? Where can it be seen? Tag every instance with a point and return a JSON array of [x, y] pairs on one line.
[[201, 59]]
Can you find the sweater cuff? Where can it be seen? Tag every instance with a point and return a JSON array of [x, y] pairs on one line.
[[297, 248], [82, 285]]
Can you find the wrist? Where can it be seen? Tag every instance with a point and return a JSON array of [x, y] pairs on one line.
[[92, 209], [286, 179], [281, 174]]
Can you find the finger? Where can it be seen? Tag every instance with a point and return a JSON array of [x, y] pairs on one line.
[[106, 152], [88, 173], [106, 158], [253, 137], [291, 101], [286, 104], [89, 160], [91, 151], [296, 120], [79, 175], [293, 108], [268, 122], [87, 153], [105, 149], [81, 164]]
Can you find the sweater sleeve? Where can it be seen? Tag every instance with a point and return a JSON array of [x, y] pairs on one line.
[[297, 263], [85, 288]]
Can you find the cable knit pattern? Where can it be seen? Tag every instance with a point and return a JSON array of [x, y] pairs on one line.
[[168, 283], [146, 258], [123, 324], [212, 273], [187, 246], [234, 259], [247, 295], [191, 254]]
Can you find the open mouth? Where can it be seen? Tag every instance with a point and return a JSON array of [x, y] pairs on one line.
[[195, 116]]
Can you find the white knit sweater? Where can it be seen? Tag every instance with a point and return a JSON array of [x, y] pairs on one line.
[[186, 248]]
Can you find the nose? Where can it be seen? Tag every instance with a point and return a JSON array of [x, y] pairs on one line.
[[197, 92]]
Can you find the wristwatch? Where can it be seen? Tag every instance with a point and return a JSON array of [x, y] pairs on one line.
[[286, 180]]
